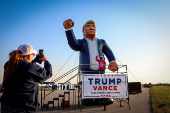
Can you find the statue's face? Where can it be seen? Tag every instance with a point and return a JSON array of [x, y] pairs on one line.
[[90, 29]]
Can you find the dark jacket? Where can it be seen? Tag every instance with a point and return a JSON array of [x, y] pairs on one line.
[[82, 46], [21, 89]]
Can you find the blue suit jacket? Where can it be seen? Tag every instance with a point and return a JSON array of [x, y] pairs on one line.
[[82, 46]]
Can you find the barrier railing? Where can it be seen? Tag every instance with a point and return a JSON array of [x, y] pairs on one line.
[[84, 69]]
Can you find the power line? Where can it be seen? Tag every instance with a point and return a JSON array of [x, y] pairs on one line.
[[63, 65], [131, 73], [74, 64]]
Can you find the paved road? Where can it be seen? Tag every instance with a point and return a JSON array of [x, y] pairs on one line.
[[139, 103]]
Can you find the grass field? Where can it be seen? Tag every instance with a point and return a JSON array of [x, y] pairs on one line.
[[160, 98]]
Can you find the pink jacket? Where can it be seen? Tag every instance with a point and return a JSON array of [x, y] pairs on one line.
[[102, 64]]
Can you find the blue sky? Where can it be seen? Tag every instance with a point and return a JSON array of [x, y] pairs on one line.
[[136, 31]]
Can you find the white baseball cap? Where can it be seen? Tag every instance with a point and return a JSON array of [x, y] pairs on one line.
[[26, 49]]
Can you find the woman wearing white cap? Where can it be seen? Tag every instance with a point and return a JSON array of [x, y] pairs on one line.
[[22, 76]]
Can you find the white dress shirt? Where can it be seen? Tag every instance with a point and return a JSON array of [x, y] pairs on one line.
[[93, 52]]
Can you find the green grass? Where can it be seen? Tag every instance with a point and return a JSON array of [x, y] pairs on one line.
[[160, 95]]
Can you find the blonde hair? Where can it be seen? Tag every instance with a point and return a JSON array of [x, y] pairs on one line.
[[12, 63], [88, 22]]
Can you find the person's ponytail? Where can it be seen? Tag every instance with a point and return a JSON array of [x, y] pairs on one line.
[[11, 65]]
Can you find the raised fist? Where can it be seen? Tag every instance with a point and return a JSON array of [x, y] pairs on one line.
[[68, 24]]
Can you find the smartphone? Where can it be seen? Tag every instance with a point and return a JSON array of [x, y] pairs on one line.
[[41, 53]]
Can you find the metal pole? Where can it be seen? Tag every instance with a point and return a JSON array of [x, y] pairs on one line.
[[104, 104], [127, 88], [120, 103], [128, 102], [41, 96], [44, 93], [126, 68], [78, 86], [75, 99]]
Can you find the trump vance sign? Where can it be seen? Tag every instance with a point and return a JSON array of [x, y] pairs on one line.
[[104, 86]]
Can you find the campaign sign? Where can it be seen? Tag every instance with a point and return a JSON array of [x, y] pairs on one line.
[[104, 86]]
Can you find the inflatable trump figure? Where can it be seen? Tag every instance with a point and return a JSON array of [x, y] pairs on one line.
[[90, 47]]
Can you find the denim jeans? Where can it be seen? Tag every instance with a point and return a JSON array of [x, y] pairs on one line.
[[101, 71]]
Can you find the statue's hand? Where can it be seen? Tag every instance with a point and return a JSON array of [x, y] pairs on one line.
[[113, 66], [68, 24]]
